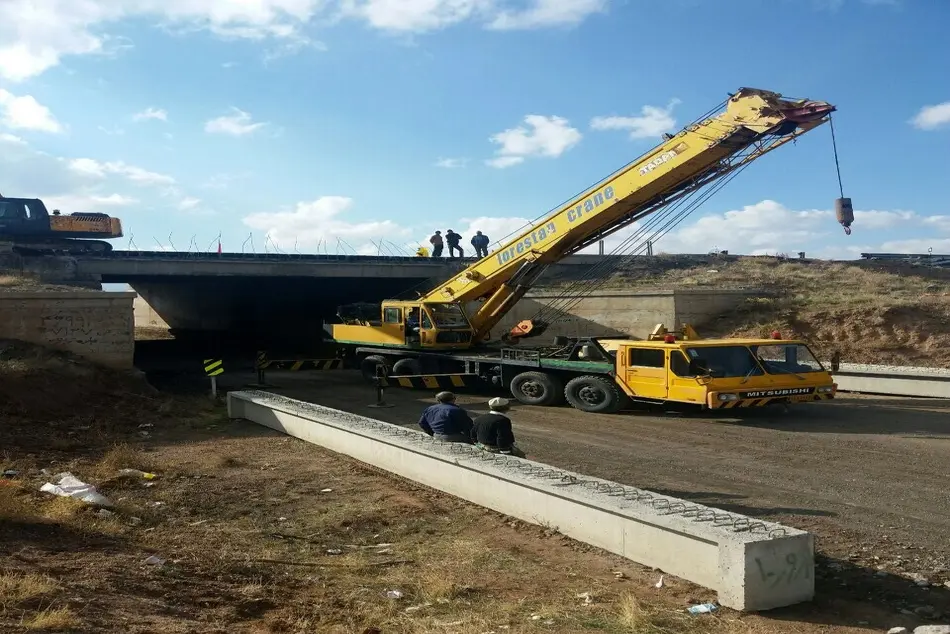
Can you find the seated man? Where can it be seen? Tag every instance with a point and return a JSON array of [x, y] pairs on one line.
[[492, 431], [446, 421], [412, 325]]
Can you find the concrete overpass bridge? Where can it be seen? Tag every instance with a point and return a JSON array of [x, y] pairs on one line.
[[269, 296]]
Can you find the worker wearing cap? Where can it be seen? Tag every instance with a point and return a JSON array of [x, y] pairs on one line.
[[446, 421], [492, 431]]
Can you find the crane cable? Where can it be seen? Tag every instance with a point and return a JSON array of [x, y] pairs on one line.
[[834, 146], [670, 217]]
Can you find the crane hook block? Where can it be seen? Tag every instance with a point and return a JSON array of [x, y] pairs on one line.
[[844, 213]]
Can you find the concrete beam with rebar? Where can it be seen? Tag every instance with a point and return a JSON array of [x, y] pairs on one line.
[[753, 565]]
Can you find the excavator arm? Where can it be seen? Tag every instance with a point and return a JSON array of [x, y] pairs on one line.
[[753, 123]]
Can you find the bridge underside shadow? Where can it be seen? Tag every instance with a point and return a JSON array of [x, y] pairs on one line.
[[271, 312]]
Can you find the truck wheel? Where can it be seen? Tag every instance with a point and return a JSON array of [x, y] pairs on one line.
[[407, 367], [595, 394], [537, 388], [369, 364]]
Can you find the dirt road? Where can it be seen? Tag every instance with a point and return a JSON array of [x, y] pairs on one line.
[[869, 476]]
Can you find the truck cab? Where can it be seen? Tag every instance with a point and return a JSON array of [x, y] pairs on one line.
[[412, 325], [720, 373]]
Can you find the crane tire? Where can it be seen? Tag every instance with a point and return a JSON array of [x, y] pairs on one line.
[[369, 364], [595, 395], [407, 367], [537, 388]]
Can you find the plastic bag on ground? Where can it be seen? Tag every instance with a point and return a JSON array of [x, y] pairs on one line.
[[72, 487]]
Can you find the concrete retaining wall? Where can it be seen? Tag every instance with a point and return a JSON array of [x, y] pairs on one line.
[[893, 380], [95, 325], [146, 316], [752, 565], [607, 313]]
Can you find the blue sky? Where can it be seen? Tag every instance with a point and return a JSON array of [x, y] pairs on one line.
[[363, 125]]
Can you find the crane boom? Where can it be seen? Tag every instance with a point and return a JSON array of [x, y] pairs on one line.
[[694, 156], [753, 123]]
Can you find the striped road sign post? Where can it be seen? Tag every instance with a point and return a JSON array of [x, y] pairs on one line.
[[214, 367]]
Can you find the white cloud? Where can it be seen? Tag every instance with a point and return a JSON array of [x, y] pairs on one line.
[[36, 35], [320, 222], [940, 246], [652, 122], [451, 163], [766, 227], [113, 131], [414, 15], [11, 138], [157, 114], [92, 168], [237, 124], [188, 203], [932, 117], [70, 203], [547, 136], [546, 13], [505, 161], [26, 113]]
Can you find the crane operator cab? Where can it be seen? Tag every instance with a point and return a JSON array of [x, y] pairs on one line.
[[410, 324]]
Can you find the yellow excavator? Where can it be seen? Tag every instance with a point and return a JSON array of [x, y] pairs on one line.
[[444, 337], [27, 227]]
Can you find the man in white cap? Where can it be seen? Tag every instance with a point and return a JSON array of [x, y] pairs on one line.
[[492, 431]]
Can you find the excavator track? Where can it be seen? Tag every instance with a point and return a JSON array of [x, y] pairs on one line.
[[62, 246]]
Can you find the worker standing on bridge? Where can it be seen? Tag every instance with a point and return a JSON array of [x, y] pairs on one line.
[[492, 431], [446, 421], [480, 242], [454, 239], [436, 242]]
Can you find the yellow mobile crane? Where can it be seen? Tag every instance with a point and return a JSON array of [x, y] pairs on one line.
[[436, 335]]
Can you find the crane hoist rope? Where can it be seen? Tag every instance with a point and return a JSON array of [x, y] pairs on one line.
[[844, 212]]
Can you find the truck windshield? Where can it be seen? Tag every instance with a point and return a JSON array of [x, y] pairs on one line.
[[790, 358], [448, 316], [725, 361]]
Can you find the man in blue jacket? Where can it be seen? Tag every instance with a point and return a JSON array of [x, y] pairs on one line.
[[480, 242], [446, 421]]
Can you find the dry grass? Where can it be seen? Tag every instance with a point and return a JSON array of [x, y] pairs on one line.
[[15, 589], [52, 620], [64, 509], [125, 456], [14, 501], [7, 281]]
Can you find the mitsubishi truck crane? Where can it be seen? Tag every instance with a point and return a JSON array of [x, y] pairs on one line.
[[441, 340]]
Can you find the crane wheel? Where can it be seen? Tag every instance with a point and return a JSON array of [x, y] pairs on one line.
[[537, 388], [369, 364], [595, 394], [407, 367]]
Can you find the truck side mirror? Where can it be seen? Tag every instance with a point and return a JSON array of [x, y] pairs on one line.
[[697, 367]]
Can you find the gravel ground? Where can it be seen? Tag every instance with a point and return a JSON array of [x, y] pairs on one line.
[[867, 475]]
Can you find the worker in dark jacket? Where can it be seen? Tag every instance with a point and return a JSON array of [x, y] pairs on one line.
[[446, 421], [453, 240], [492, 431]]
